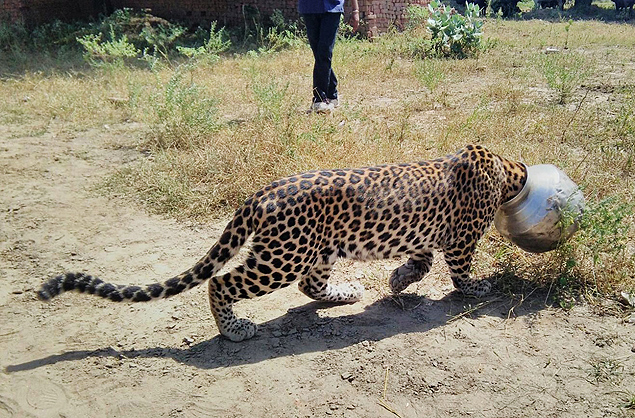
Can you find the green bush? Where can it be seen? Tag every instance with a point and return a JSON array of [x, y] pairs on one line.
[[597, 257], [216, 43], [279, 36], [453, 35], [100, 52], [564, 73]]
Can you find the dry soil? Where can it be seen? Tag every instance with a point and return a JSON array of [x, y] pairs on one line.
[[428, 353]]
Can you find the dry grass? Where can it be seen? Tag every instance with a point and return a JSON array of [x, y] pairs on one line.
[[217, 133]]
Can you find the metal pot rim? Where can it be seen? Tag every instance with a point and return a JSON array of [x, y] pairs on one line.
[[523, 192]]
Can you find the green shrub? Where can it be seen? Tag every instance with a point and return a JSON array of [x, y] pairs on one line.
[[452, 35], [564, 73], [280, 35], [216, 43], [161, 38], [597, 258], [455, 35], [100, 52], [429, 73]]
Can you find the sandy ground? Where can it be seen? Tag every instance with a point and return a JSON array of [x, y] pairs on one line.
[[423, 354]]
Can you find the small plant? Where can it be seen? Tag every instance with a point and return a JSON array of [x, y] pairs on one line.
[[624, 128], [429, 73], [564, 73], [161, 37], [279, 36], [606, 370], [100, 52], [216, 43], [596, 256], [416, 16], [628, 401], [270, 97], [185, 117], [604, 229], [567, 28], [454, 35]]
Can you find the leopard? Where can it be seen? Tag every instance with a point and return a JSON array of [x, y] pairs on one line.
[[302, 224]]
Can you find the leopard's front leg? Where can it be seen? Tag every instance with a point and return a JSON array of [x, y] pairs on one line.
[[411, 271], [459, 259]]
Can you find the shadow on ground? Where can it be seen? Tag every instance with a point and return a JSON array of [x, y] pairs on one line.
[[303, 330]]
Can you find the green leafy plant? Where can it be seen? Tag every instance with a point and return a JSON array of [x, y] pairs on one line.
[[216, 43], [161, 37], [597, 254], [279, 36], [100, 52], [416, 16], [271, 98], [454, 35], [604, 230]]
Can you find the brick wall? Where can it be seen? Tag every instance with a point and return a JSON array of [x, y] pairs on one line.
[[379, 15], [32, 12]]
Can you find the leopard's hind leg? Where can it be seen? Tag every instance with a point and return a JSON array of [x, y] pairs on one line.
[[316, 286], [259, 275]]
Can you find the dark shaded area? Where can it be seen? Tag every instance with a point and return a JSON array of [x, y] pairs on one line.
[[53, 47], [302, 330]]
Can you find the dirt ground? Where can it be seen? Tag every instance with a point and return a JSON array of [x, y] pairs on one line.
[[428, 353]]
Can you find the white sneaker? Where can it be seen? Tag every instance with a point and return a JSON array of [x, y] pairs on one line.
[[334, 102], [322, 107]]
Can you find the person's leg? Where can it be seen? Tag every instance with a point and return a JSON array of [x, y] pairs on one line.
[[321, 30], [313, 23], [328, 33]]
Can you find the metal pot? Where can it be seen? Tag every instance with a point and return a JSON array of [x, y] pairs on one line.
[[545, 213]]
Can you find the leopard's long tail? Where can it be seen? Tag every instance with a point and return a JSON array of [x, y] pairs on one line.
[[234, 237]]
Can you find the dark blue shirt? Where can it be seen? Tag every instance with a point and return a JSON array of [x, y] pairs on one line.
[[320, 6]]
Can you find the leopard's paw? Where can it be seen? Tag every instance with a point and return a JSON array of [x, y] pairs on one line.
[[347, 292], [240, 329], [477, 288], [403, 276]]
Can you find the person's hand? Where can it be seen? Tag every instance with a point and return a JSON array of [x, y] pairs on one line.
[[354, 20]]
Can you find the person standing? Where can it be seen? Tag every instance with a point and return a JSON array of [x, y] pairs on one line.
[[322, 19]]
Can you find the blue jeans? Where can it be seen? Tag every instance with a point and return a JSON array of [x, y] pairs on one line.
[[321, 29]]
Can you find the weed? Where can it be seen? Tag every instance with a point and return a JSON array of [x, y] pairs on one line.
[[606, 370], [628, 401], [430, 73], [161, 38], [564, 73], [217, 42], [270, 96], [567, 28], [185, 116], [416, 16], [110, 52], [279, 36]]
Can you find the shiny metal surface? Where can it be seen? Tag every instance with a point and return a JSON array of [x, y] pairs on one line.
[[544, 213]]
